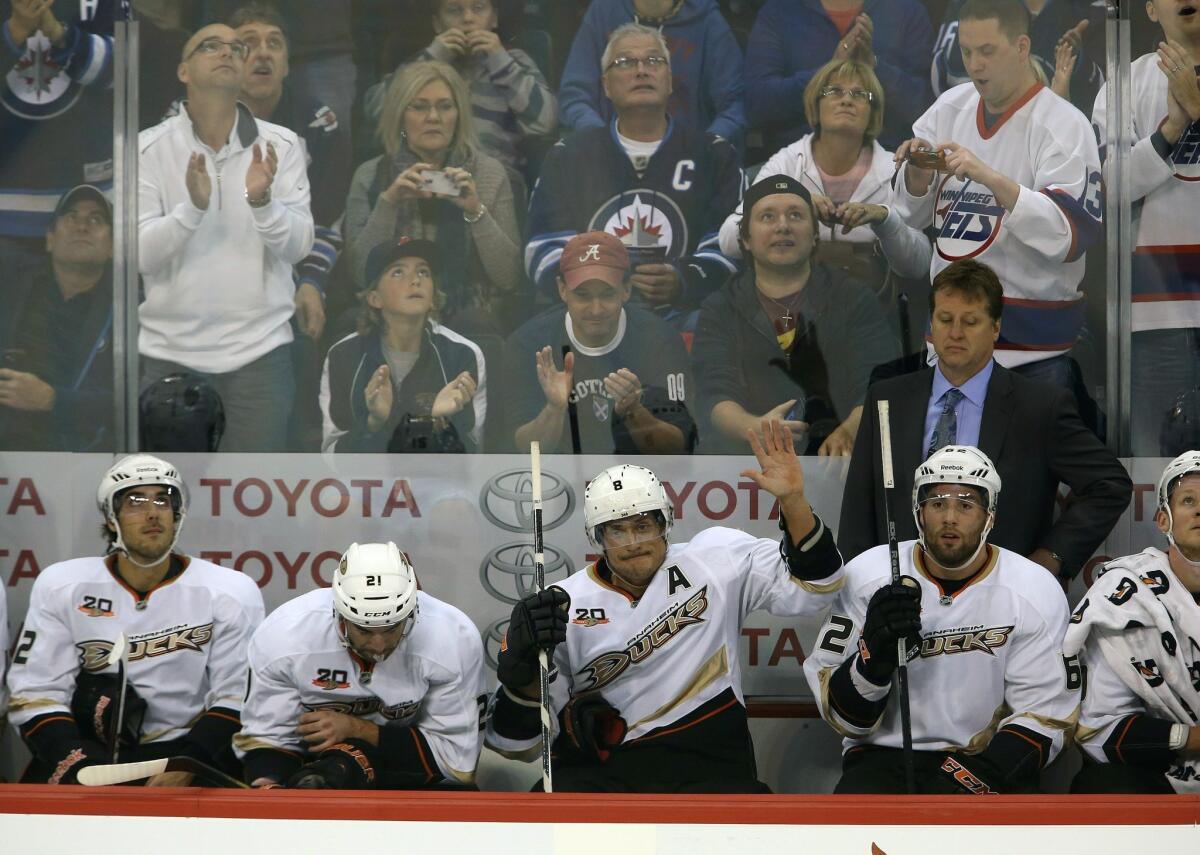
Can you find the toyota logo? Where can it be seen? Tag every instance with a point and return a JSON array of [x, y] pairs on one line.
[[492, 637], [513, 562], [507, 500]]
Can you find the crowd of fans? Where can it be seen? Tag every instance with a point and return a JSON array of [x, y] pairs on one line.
[[355, 218]]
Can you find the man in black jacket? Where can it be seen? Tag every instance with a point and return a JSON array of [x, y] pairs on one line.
[[1030, 429], [788, 339], [55, 335]]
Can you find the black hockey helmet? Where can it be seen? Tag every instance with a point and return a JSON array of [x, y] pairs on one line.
[[180, 412]]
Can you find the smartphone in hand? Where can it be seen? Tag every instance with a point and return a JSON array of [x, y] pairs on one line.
[[438, 183]]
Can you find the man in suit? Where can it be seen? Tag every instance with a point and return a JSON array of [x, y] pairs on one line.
[[1031, 429]]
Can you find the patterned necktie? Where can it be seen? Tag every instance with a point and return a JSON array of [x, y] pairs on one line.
[[946, 429]]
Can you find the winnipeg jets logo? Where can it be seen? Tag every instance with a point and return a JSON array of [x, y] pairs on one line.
[[967, 219], [1186, 155], [37, 86], [643, 219]]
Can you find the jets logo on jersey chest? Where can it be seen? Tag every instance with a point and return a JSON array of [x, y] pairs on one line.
[[361, 707], [644, 219], [93, 653], [1185, 157], [967, 218], [973, 639], [609, 666]]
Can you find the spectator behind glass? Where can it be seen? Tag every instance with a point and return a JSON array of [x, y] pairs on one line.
[[604, 377], [222, 217], [56, 335], [792, 39], [788, 338], [1019, 190], [55, 114], [1165, 165], [425, 126], [321, 45], [1067, 48], [510, 100], [659, 185], [706, 66], [402, 365], [849, 174]]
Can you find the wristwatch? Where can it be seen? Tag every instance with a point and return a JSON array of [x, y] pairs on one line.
[[259, 203]]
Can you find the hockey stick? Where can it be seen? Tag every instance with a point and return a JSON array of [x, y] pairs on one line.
[[539, 578], [122, 773], [889, 485], [119, 656]]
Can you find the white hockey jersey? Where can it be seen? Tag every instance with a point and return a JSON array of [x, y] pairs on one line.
[[1044, 144], [187, 641], [991, 655], [1120, 630], [434, 680], [663, 656], [1166, 206]]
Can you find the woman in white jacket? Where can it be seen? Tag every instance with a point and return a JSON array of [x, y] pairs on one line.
[[849, 175]]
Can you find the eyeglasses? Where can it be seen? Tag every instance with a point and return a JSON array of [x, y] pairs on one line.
[[857, 94], [213, 45], [424, 108], [631, 63], [93, 221], [140, 504]]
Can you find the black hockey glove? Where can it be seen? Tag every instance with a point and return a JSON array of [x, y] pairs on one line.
[[959, 775], [538, 622], [94, 707], [894, 612], [592, 727], [347, 765]]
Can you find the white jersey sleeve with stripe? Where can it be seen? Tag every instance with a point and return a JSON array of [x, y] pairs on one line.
[[991, 655], [187, 641], [434, 681], [659, 658]]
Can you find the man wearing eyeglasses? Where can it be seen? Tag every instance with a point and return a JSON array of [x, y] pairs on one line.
[[187, 623], [56, 335], [223, 207], [660, 186]]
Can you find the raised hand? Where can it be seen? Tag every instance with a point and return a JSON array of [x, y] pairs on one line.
[[625, 389], [556, 385], [468, 194], [454, 396], [408, 185], [779, 471], [483, 42], [658, 283], [453, 40], [379, 396], [199, 182], [261, 172]]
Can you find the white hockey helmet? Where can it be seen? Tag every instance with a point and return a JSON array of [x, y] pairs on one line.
[[624, 491], [957, 464], [1184, 464], [374, 586], [138, 470]]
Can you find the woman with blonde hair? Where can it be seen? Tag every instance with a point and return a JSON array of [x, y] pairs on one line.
[[849, 176], [429, 151]]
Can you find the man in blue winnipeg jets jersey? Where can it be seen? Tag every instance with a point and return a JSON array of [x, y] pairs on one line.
[[368, 684], [989, 691], [647, 695]]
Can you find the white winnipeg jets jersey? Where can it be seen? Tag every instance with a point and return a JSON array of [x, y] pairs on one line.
[[1166, 209], [1044, 144], [659, 658], [991, 654], [434, 681], [187, 644]]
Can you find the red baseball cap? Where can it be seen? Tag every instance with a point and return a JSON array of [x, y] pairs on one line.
[[594, 255]]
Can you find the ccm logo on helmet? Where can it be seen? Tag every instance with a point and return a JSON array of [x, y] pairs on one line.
[[376, 614]]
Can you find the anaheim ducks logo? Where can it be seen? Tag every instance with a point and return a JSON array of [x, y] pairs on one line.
[[964, 641], [967, 219], [361, 707], [93, 653], [609, 666]]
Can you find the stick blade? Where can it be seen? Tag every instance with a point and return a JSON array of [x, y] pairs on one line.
[[120, 773], [119, 649]]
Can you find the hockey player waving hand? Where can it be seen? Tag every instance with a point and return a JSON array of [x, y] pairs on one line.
[[647, 695]]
